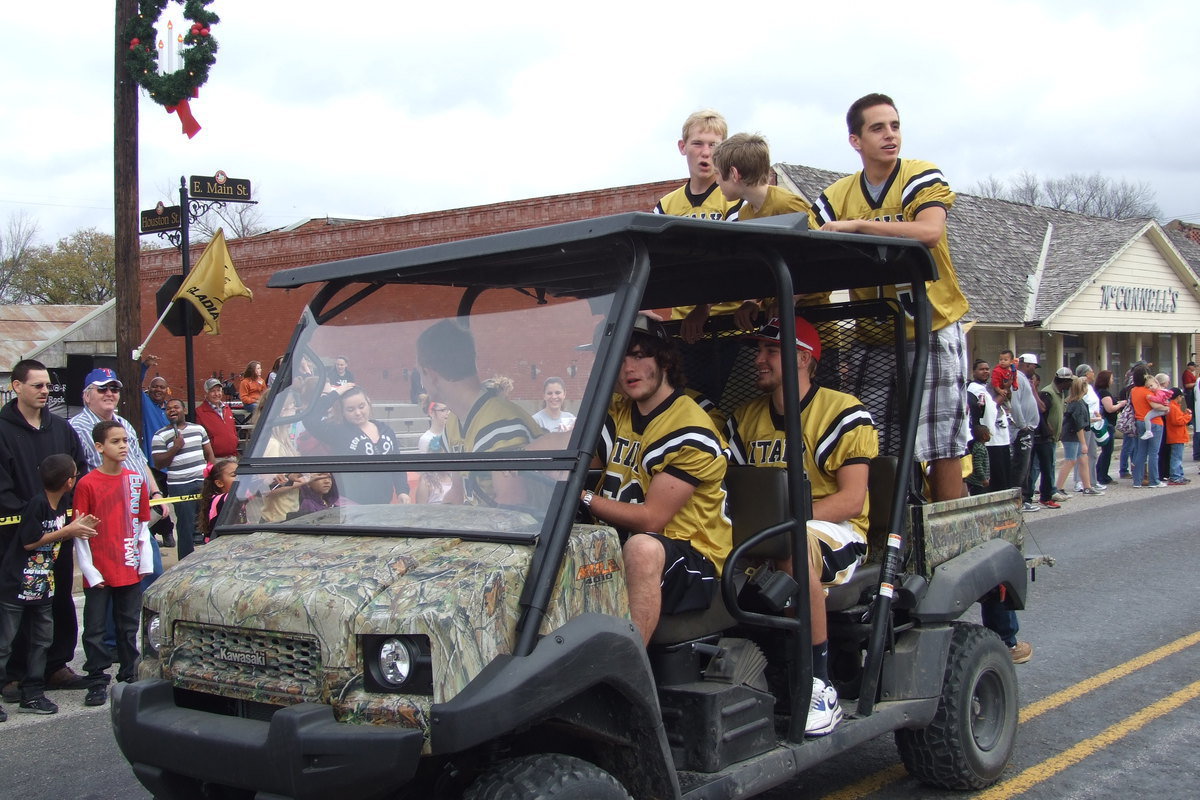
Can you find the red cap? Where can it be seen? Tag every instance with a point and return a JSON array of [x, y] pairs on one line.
[[806, 335]]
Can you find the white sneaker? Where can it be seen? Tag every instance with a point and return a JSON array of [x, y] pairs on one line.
[[1059, 496], [1030, 507], [824, 713]]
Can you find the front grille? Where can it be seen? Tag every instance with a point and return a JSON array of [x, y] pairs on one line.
[[263, 666]]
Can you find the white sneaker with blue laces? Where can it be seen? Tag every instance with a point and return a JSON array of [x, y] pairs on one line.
[[824, 713]]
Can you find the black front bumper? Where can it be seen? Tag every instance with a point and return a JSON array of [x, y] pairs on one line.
[[302, 753]]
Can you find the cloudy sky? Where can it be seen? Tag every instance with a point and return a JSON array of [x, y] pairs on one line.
[[369, 109]]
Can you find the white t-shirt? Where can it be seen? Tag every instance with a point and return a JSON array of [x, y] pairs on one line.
[[565, 421], [995, 419]]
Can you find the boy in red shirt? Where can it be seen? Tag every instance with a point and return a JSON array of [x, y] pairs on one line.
[[114, 561]]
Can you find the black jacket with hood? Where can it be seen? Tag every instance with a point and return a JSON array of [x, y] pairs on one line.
[[23, 447]]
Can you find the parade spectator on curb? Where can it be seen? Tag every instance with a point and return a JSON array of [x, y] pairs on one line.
[[154, 404], [217, 482], [981, 469], [1145, 450], [342, 375], [1044, 443], [353, 431], [101, 395], [182, 448], [434, 439], [154, 418], [1189, 385], [1024, 407], [1074, 436], [1110, 409], [1133, 377], [27, 584], [115, 559], [29, 433], [1178, 418], [1095, 418], [274, 371], [553, 417], [251, 387], [217, 418]]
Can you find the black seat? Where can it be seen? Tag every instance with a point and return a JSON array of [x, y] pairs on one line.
[[757, 499], [881, 485]]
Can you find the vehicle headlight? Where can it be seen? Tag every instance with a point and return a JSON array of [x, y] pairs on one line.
[[399, 664], [152, 634], [395, 661]]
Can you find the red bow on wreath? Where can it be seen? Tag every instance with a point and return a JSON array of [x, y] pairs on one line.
[[190, 126]]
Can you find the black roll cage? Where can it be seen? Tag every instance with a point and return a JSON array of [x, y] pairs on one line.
[[657, 261]]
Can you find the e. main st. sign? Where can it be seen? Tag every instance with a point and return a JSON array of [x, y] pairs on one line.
[[219, 187]]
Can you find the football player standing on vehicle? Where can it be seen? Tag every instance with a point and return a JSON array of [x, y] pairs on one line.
[[891, 196]]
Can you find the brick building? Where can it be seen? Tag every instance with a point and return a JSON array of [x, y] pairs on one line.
[[261, 329]]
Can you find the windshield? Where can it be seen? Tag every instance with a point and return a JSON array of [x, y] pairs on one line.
[[390, 398]]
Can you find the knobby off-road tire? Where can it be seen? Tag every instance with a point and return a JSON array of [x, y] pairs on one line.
[[970, 740], [550, 776]]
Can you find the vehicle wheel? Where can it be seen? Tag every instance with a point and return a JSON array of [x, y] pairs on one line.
[[970, 740], [549, 775]]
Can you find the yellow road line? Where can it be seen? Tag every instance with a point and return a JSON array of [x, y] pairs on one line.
[[1072, 756], [878, 780], [869, 784], [1108, 676]]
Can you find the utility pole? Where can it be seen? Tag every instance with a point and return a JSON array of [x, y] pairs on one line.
[[125, 211]]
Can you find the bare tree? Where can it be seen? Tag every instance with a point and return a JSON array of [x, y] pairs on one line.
[[992, 187], [17, 249], [237, 219], [1093, 194]]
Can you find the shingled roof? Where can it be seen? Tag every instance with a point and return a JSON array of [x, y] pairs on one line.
[[998, 246]]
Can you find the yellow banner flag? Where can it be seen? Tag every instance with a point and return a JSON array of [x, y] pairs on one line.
[[211, 282]]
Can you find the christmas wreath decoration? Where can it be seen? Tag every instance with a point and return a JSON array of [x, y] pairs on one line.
[[174, 89]]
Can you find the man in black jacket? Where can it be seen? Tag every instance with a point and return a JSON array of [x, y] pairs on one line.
[[28, 433]]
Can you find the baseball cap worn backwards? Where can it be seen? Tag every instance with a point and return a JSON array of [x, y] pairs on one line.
[[102, 376], [807, 337], [1064, 372]]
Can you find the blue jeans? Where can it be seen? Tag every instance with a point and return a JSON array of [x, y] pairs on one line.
[[1145, 451], [1002, 621], [1176, 472]]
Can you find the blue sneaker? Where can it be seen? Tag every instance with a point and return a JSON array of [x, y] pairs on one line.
[[824, 713]]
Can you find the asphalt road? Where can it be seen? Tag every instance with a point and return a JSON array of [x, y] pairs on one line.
[[1110, 701]]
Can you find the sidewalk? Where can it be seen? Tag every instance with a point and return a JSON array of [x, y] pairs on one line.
[[1119, 491]]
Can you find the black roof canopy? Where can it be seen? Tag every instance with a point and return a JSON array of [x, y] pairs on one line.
[[692, 260]]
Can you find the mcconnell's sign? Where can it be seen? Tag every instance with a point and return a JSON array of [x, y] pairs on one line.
[[1139, 298]]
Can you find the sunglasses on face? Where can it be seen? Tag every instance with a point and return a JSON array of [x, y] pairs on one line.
[[39, 386], [109, 389]]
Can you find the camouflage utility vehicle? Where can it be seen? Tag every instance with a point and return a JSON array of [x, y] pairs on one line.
[[485, 650]]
